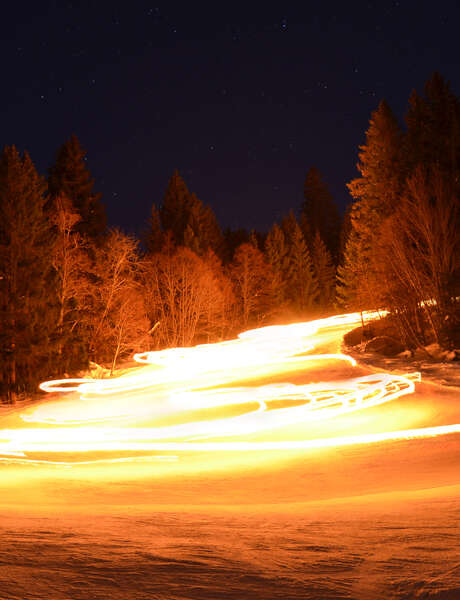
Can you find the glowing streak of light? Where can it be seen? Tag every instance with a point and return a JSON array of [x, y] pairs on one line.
[[292, 445], [186, 384]]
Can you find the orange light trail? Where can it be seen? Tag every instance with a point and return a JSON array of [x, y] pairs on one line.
[[195, 399]]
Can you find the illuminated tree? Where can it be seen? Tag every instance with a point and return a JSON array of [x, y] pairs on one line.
[[119, 323], [276, 255], [324, 271], [27, 308], [70, 177], [381, 163], [252, 277], [301, 279], [188, 298], [421, 246], [352, 290], [376, 195], [73, 284]]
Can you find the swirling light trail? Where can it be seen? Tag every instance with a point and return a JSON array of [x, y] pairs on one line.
[[195, 399]]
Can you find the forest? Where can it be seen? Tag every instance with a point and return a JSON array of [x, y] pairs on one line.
[[73, 291]]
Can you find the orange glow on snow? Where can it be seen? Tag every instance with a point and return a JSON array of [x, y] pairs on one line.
[[212, 398]]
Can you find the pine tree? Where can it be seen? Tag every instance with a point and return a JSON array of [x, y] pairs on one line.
[[376, 195], [70, 177], [154, 236], [27, 310], [433, 128], [203, 223], [321, 211], [301, 279], [231, 240], [289, 225], [276, 256], [188, 219], [345, 233], [381, 162], [325, 272], [174, 211]]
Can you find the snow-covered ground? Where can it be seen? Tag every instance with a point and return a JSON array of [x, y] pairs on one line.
[[434, 365], [364, 521]]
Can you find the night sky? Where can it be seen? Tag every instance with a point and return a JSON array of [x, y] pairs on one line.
[[241, 98]]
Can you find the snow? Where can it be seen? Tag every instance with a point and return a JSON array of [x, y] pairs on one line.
[[436, 365], [366, 521]]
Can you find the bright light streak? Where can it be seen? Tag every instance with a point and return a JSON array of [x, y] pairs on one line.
[[242, 446], [195, 399]]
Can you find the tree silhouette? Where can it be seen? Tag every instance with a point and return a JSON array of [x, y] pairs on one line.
[[70, 177], [27, 305]]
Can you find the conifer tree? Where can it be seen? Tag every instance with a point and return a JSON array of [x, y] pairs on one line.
[[376, 195], [70, 177], [320, 210], [174, 212], [27, 309], [289, 225], [231, 240], [154, 235], [301, 279], [325, 272], [203, 224], [188, 219], [381, 163], [276, 256], [433, 128]]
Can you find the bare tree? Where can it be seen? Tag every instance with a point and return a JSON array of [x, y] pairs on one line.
[[119, 321], [420, 246], [187, 295], [251, 277], [72, 267]]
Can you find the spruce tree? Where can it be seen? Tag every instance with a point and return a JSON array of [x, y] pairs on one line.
[[188, 219], [230, 242], [325, 272], [433, 129], [70, 177], [301, 279], [27, 308], [320, 211], [276, 256], [203, 223], [174, 212], [376, 195], [381, 163], [154, 236]]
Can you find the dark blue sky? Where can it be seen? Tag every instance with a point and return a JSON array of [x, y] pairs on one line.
[[242, 99]]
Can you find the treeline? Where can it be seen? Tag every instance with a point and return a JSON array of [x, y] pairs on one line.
[[402, 249], [72, 291]]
